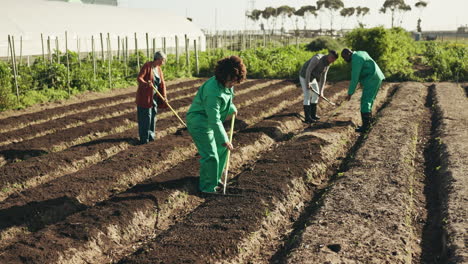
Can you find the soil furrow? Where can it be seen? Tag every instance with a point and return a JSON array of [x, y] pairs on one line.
[[84, 117], [88, 132], [155, 204], [22, 120], [232, 229], [119, 172], [79, 119], [18, 176], [452, 136], [365, 215]]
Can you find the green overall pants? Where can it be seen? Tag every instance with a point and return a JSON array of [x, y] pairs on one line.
[[213, 157], [369, 92]]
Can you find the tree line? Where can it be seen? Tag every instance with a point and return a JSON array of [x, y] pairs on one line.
[[330, 8]]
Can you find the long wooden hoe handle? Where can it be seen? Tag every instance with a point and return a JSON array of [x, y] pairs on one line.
[[228, 154], [164, 99]]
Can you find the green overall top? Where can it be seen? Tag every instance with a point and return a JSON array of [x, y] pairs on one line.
[[364, 70], [210, 107]]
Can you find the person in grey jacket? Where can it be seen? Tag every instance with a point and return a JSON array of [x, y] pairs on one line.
[[313, 76]]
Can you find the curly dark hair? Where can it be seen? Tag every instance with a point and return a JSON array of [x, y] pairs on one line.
[[229, 69]]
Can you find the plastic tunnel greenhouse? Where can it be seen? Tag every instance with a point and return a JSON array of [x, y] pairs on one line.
[[26, 20]]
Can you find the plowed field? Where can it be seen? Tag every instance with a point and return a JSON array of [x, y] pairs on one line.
[[75, 187]]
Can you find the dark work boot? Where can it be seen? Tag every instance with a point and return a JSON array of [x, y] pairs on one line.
[[313, 112], [308, 118], [366, 123]]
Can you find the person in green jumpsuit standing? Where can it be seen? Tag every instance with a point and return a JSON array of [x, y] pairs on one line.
[[367, 72], [210, 107]]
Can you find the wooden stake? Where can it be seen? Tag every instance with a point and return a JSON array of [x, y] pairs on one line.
[[57, 49], [136, 52], [187, 54], [13, 60], [21, 51], [109, 58], [42, 44], [109, 47], [102, 47], [68, 62], [177, 50], [93, 53], [78, 47], [48, 48], [147, 46], [196, 57], [125, 55], [118, 48]]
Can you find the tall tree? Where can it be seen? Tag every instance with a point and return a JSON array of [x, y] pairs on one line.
[[394, 6], [333, 6], [360, 13], [284, 11], [270, 14], [420, 5], [305, 12], [254, 15], [346, 13]]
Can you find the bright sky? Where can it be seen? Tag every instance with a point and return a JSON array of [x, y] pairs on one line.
[[229, 14]]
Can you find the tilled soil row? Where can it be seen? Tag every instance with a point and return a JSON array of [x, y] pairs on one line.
[[365, 216], [96, 114], [452, 129], [78, 135], [58, 198], [18, 176], [108, 99], [78, 119], [236, 229], [115, 226]]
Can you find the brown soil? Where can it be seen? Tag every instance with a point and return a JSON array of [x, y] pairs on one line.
[[297, 194], [451, 104], [90, 131], [37, 171], [115, 172]]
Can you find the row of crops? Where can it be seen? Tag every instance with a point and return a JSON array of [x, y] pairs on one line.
[[400, 57]]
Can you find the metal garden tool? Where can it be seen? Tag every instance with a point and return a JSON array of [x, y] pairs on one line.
[[170, 107], [324, 98]]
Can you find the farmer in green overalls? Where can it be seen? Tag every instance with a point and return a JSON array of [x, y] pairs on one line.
[[367, 72], [210, 107]]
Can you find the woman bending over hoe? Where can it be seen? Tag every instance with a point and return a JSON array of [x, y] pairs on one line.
[[210, 107]]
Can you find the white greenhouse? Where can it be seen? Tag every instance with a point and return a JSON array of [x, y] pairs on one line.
[[28, 20]]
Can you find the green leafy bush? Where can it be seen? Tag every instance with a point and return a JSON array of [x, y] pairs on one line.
[[5, 86], [390, 48], [324, 43], [449, 61]]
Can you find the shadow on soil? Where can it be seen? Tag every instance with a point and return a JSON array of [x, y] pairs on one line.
[[36, 215], [432, 235], [129, 140], [294, 238], [12, 155]]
